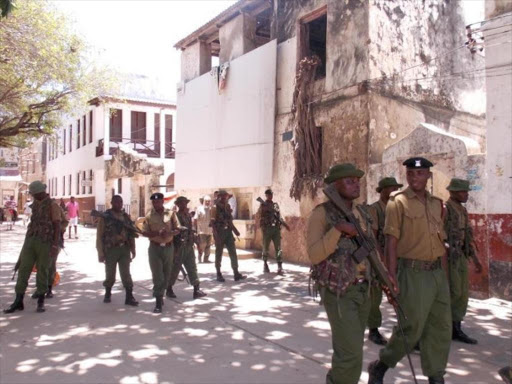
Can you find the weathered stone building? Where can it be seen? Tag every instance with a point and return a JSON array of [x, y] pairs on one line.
[[394, 79]]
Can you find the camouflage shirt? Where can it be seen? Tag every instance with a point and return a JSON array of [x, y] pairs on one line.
[[269, 215], [44, 213], [458, 230]]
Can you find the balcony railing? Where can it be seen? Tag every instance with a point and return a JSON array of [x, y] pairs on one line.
[[149, 147]]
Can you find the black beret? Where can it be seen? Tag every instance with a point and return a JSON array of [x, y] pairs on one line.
[[269, 192], [157, 196], [417, 163]]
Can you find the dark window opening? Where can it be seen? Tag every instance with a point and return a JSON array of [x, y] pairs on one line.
[[70, 138], [313, 40], [139, 126], [70, 185], [84, 180], [157, 134], [116, 125], [169, 184], [90, 178], [119, 186], [84, 142], [168, 135], [78, 134], [90, 126], [78, 183]]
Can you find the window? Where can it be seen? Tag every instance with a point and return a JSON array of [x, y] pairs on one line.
[[64, 143], [70, 186], [119, 186], [157, 134], [78, 134], [168, 134], [84, 178], [63, 185], [169, 184], [313, 38], [84, 141], [90, 126], [90, 178], [78, 183], [116, 125], [70, 138], [139, 126]]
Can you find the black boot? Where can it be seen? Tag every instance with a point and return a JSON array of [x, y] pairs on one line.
[[376, 337], [130, 300], [197, 292], [170, 293], [376, 372], [266, 269], [436, 380], [34, 295], [108, 295], [280, 271], [49, 293], [158, 305], [17, 305], [220, 278], [40, 303], [238, 276], [459, 335]]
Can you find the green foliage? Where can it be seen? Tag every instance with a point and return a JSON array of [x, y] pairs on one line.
[[44, 72]]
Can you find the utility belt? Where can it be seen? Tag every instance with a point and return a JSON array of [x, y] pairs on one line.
[[120, 244], [326, 274], [421, 264], [157, 244]]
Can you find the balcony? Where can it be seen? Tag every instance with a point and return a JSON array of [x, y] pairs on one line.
[[148, 147]]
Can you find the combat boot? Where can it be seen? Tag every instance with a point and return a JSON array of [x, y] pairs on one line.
[[238, 276], [130, 300], [459, 335], [108, 295], [376, 372], [158, 305], [170, 293], [266, 269], [34, 295], [280, 270], [376, 337], [198, 293], [220, 278], [49, 293], [40, 304], [17, 305], [436, 380]]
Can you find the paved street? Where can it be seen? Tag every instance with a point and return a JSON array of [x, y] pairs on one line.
[[264, 330]]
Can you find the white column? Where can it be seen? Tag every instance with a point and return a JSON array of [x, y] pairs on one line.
[[127, 123], [150, 125]]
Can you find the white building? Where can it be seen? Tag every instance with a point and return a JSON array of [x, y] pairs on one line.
[[120, 146]]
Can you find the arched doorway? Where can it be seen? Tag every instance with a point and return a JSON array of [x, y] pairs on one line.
[[169, 184]]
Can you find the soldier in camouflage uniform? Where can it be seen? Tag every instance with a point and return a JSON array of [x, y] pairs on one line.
[[378, 213], [343, 284], [42, 243], [270, 223], [115, 242], [184, 250], [461, 249], [223, 228]]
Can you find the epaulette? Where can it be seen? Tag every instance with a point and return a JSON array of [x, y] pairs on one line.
[[395, 194], [438, 198]]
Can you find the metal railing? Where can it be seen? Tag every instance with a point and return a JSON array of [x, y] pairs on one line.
[[149, 147]]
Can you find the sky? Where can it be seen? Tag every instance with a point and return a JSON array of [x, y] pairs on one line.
[[138, 36]]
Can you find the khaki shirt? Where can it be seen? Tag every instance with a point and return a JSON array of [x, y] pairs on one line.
[[417, 226], [322, 239], [123, 236], [155, 222], [462, 213]]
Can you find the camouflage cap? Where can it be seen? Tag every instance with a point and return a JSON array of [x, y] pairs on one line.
[[457, 185], [340, 171], [388, 182], [36, 187], [180, 199]]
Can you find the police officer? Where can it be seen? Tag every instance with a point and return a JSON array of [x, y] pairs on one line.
[[343, 283], [184, 246], [42, 242], [461, 248], [415, 245], [114, 243], [223, 228], [160, 225], [270, 223], [378, 213]]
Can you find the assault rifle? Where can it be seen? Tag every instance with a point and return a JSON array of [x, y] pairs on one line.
[[274, 213], [105, 216], [368, 250]]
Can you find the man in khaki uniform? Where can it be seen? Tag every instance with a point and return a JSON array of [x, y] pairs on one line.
[[160, 225], [415, 245], [461, 249], [343, 284], [378, 213], [42, 243], [115, 243]]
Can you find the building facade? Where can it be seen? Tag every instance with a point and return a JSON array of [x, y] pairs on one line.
[[302, 85], [119, 146]]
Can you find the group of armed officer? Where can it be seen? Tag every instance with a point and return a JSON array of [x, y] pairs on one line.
[[425, 245]]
